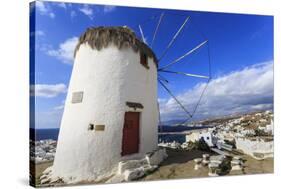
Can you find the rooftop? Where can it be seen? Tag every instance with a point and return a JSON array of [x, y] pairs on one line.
[[120, 36]]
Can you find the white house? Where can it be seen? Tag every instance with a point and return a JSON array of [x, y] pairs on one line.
[[206, 134], [111, 111], [209, 138], [245, 132], [270, 127]]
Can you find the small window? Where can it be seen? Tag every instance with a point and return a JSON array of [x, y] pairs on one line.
[[143, 60], [77, 97]]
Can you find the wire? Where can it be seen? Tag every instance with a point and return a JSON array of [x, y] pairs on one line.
[[168, 90], [209, 58], [162, 78]]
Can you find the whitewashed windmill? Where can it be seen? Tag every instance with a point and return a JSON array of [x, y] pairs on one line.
[[111, 110]]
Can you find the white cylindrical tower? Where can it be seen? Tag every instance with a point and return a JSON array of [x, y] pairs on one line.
[[111, 111]]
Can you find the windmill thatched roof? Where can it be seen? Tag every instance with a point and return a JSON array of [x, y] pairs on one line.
[[122, 37]]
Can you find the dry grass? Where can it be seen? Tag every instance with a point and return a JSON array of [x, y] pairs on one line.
[[122, 37]]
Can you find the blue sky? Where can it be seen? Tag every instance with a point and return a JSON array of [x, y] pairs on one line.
[[241, 52]]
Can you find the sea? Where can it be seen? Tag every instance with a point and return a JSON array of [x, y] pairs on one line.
[[43, 134], [174, 133]]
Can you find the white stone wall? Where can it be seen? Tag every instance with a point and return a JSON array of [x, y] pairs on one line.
[[192, 137], [208, 138], [108, 78], [270, 128], [205, 134], [251, 147]]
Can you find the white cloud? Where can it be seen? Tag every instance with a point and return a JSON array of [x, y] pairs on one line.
[[87, 11], [241, 91], [62, 5], [41, 7], [65, 50], [47, 90], [73, 14], [44, 9], [48, 119], [52, 15], [60, 107], [43, 47], [38, 33], [69, 9], [108, 8]]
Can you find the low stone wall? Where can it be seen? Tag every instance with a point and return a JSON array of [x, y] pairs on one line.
[[257, 148], [133, 169]]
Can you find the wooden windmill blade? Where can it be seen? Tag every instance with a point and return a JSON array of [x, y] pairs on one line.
[[185, 55], [156, 29], [173, 39], [139, 26], [163, 69], [185, 74], [142, 35]]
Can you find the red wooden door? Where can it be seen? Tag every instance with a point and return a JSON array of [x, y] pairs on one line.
[[130, 141]]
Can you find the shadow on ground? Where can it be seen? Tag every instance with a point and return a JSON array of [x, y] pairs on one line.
[[182, 156]]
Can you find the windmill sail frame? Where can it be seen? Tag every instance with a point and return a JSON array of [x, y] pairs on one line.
[[162, 80]]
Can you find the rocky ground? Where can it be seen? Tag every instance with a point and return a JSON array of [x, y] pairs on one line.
[[38, 169], [180, 165]]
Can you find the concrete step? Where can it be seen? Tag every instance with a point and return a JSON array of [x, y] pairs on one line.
[[131, 164], [133, 174]]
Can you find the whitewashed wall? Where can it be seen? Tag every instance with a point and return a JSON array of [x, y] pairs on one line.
[[251, 147], [205, 134], [108, 78]]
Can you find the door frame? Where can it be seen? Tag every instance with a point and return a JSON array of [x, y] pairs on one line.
[[139, 133]]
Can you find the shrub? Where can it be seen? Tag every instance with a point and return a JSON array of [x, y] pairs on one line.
[[232, 143], [199, 145], [259, 132], [225, 166]]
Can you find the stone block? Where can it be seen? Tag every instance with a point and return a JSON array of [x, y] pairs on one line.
[[156, 157], [133, 174], [130, 164]]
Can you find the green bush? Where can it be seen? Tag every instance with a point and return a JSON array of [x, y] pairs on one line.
[[259, 132], [225, 166], [199, 145], [232, 143]]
